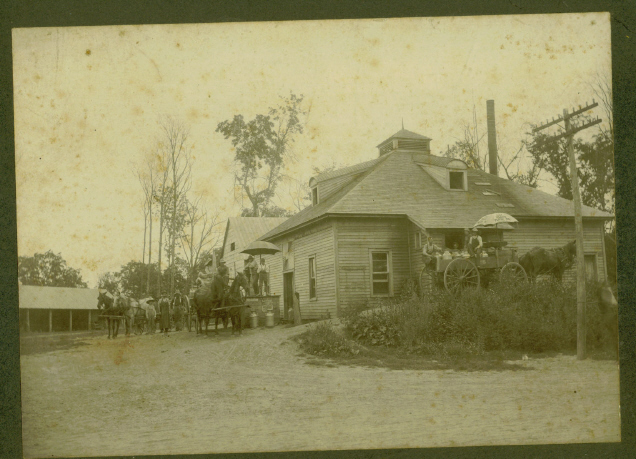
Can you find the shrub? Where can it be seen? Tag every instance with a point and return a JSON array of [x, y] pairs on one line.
[[324, 340], [524, 317]]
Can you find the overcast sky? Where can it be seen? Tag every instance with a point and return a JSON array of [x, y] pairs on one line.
[[87, 102]]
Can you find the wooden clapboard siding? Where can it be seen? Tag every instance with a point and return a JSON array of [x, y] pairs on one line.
[[316, 241], [233, 258], [356, 238], [556, 233]]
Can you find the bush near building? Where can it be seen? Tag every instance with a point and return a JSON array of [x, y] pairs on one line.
[[525, 317]]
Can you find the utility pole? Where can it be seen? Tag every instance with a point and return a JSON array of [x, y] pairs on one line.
[[572, 128]]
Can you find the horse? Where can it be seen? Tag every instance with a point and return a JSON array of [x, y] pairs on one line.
[[111, 306], [207, 298], [126, 306], [548, 261], [235, 297], [105, 304], [210, 300]]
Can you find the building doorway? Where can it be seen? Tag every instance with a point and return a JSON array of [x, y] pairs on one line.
[[288, 295]]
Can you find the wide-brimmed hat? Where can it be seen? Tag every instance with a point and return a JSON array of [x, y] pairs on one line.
[[209, 263], [474, 230]]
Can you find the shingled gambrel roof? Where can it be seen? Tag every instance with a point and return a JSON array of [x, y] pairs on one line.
[[420, 197]]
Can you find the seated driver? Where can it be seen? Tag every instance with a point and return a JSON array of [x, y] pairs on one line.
[[205, 277]]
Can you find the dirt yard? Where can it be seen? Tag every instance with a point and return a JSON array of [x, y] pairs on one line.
[[191, 394]]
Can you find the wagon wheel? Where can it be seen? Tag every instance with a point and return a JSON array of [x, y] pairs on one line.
[[513, 272], [139, 327], [427, 280], [460, 274]]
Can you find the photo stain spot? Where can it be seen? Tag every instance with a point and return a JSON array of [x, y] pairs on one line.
[[88, 52]]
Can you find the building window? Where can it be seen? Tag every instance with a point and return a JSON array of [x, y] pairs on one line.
[[289, 247], [381, 273], [456, 180], [312, 277], [232, 247], [314, 195], [418, 240]]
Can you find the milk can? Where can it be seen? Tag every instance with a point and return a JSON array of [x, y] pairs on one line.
[[269, 319], [253, 320]]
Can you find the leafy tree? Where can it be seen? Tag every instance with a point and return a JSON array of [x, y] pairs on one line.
[[595, 161], [109, 281], [48, 269], [261, 147], [133, 275]]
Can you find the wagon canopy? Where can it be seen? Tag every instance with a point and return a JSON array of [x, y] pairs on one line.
[[498, 220]]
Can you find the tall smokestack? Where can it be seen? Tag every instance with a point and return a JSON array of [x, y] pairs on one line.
[[492, 137]]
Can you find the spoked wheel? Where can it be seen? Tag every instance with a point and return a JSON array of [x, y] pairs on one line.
[[139, 328], [513, 272], [460, 274], [427, 280]]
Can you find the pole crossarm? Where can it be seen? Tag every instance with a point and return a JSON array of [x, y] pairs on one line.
[[574, 113], [571, 131]]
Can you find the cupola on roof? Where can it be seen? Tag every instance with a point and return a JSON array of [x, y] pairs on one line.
[[405, 140]]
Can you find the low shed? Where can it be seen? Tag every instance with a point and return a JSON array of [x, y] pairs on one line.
[[57, 308]]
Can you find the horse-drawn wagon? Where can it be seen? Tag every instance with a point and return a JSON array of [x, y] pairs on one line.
[[459, 270]]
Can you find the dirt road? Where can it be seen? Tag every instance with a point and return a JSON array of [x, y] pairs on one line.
[[189, 394]]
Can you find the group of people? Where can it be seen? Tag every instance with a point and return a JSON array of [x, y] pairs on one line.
[[473, 243], [257, 274]]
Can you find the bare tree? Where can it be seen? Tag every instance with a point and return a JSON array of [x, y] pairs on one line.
[[198, 235], [160, 197], [147, 176], [175, 135], [602, 88]]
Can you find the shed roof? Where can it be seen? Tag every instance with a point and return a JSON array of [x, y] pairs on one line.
[[420, 197], [37, 297], [248, 229]]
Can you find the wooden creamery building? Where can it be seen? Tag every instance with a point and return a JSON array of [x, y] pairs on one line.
[[362, 236]]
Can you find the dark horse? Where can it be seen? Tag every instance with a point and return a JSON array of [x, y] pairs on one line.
[[210, 298], [235, 298], [548, 261], [109, 307]]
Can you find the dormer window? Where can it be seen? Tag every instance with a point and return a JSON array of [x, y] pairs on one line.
[[457, 180], [314, 195]]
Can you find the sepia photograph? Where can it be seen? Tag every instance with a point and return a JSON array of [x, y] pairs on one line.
[[316, 235]]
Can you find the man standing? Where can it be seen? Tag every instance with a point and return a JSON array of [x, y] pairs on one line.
[[263, 278], [428, 253], [252, 266], [475, 243]]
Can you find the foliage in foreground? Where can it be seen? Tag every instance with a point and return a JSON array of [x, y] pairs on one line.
[[529, 318], [322, 339]]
